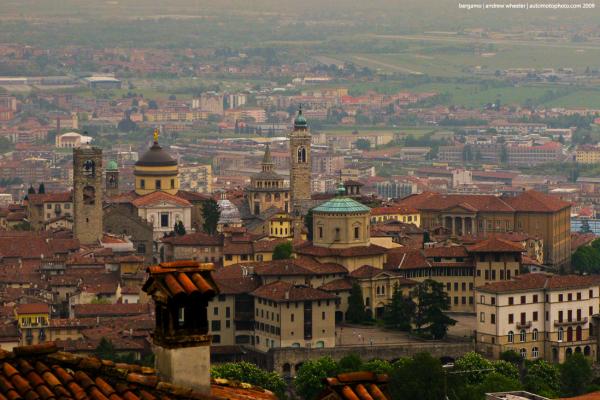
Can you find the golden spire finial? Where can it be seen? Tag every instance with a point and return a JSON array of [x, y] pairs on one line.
[[156, 135]]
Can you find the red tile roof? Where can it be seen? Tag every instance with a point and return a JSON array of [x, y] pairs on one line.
[[110, 310], [317, 251], [393, 210], [34, 308], [282, 292], [42, 372], [195, 239], [181, 278], [446, 252], [496, 245], [356, 386], [62, 197], [538, 281], [158, 197], [532, 201], [437, 202], [337, 285]]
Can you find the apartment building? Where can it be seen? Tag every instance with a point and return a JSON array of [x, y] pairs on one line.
[[460, 268], [587, 154], [538, 315], [42, 208], [288, 315], [537, 214]]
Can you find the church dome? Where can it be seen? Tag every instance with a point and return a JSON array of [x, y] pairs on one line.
[[156, 156], [300, 123], [229, 213]]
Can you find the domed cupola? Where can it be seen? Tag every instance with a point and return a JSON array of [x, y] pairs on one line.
[[156, 171]]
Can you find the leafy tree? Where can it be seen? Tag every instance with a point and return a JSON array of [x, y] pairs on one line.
[[31, 190], [105, 350], [432, 301], [378, 366], [179, 228], [152, 105], [42, 188], [356, 305], [350, 363], [308, 223], [126, 125], [419, 377], [473, 367], [362, 144], [250, 373], [400, 312], [506, 368], [511, 356], [310, 376], [495, 382], [210, 215], [283, 251], [542, 378], [575, 375]]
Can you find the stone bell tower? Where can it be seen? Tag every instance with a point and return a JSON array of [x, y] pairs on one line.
[[181, 291], [300, 162], [87, 194]]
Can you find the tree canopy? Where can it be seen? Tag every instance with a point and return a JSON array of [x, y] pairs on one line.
[[283, 251], [210, 215]]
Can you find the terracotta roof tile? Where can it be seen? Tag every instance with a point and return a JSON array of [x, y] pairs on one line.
[[195, 239], [157, 197], [180, 278], [539, 281], [495, 245], [311, 250], [337, 285], [357, 386], [532, 201], [42, 372], [280, 291]]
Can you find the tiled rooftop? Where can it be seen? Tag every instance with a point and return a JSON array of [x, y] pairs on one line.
[[356, 386], [41, 372]]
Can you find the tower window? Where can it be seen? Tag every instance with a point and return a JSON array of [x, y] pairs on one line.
[[301, 155], [142, 183], [320, 232], [157, 184], [337, 234], [356, 232], [172, 183]]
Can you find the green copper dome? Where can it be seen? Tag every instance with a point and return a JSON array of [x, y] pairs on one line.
[[112, 166], [342, 205], [300, 122]]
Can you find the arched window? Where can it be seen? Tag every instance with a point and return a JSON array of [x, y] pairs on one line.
[[523, 353], [301, 155], [511, 337], [523, 335], [578, 333], [561, 333], [535, 352], [534, 335]]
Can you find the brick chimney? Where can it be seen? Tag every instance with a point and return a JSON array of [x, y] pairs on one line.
[[181, 291]]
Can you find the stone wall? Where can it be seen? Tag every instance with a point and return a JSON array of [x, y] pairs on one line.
[[287, 361]]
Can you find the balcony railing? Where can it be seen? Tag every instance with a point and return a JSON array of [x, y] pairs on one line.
[[582, 321], [524, 325]]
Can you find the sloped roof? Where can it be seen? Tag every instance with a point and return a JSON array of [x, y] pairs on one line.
[[195, 239], [475, 202], [281, 292], [357, 385], [181, 278], [495, 245], [157, 197], [538, 281], [337, 285], [317, 251], [533, 201], [43, 372]]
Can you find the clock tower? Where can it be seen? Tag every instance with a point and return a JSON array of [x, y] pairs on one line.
[[300, 163]]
